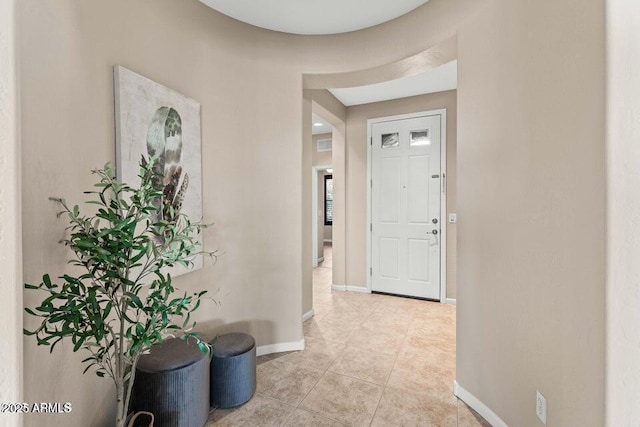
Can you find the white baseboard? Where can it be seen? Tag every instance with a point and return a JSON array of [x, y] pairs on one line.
[[477, 406], [361, 289], [350, 288], [308, 315], [451, 301], [280, 347], [321, 259]]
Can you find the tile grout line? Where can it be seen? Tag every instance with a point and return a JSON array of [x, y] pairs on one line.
[[395, 361], [384, 387], [312, 411], [373, 417], [297, 406], [286, 420], [277, 401], [357, 379], [313, 387], [323, 415], [366, 318]]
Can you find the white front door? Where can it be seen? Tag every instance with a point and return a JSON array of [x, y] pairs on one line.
[[405, 207]]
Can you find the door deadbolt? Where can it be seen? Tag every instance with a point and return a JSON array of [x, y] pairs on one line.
[[434, 232], [434, 220]]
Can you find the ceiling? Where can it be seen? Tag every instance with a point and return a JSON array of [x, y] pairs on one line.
[[438, 79], [313, 16], [325, 127]]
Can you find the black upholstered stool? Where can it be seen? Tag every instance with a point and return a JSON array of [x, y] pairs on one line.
[[172, 382], [233, 370]]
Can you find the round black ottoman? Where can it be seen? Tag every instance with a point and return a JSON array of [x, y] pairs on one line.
[[233, 370], [172, 382]]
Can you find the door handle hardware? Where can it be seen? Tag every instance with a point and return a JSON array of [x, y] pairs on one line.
[[434, 232], [434, 220]]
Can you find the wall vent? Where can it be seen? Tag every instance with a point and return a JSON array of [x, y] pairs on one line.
[[324, 145]]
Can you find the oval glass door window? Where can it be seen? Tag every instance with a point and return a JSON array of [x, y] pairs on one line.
[[420, 137], [390, 140]]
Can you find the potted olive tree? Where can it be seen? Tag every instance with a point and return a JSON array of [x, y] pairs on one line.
[[122, 301]]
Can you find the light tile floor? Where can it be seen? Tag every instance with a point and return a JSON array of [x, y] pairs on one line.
[[370, 360]]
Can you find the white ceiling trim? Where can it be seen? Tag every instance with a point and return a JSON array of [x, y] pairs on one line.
[[313, 16], [438, 79]]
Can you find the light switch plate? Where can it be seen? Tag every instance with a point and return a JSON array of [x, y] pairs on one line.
[[453, 218]]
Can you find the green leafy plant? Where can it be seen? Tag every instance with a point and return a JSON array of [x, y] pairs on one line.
[[123, 301]]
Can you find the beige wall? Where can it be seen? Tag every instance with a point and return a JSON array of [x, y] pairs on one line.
[[531, 205], [306, 205], [623, 223], [10, 218], [357, 117]]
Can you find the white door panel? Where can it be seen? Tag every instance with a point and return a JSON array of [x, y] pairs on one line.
[[418, 267], [405, 207], [390, 179], [418, 192], [389, 255]]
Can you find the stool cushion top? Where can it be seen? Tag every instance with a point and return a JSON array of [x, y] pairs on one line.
[[229, 345], [171, 354]]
